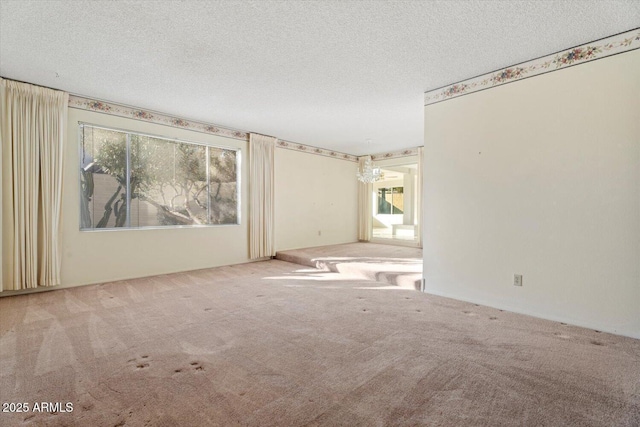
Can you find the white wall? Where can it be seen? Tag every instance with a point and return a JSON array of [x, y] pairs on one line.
[[540, 177], [313, 194], [99, 256], [316, 204], [316, 200]]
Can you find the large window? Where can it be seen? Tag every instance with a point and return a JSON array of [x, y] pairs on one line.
[[133, 180]]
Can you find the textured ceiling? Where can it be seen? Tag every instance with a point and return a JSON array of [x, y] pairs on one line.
[[329, 73]]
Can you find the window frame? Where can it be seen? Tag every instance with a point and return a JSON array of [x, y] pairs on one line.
[[236, 150]]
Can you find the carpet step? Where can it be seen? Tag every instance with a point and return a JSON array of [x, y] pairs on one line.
[[400, 272]]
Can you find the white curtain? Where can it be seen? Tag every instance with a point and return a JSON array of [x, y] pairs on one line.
[[32, 138], [420, 195], [261, 189], [364, 205]]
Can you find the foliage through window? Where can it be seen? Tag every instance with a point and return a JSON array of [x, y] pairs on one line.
[[132, 180], [391, 200]]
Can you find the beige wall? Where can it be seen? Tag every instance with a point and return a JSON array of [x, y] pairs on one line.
[[313, 194], [316, 200], [98, 256], [540, 177]]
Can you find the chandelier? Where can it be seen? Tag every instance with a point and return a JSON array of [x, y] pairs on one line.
[[369, 174]]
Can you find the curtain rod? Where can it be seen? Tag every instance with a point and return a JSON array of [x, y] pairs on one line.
[[33, 84]]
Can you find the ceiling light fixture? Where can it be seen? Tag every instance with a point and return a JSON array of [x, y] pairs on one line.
[[369, 172]]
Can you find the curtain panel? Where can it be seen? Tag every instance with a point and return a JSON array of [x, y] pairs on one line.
[[420, 195], [261, 196], [365, 205], [32, 139]]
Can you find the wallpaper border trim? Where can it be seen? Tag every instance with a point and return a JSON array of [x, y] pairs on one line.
[[120, 110], [598, 49], [395, 154], [288, 145], [115, 109]]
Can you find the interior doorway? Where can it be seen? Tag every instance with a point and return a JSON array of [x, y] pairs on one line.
[[395, 210]]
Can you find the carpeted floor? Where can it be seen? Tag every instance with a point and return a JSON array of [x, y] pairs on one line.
[[397, 265], [278, 344]]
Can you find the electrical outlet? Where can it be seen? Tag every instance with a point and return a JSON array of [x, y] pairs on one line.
[[319, 233], [517, 280]]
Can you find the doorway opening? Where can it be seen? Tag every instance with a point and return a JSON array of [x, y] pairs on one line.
[[395, 205]]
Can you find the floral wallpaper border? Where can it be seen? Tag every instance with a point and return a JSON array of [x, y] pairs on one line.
[[315, 150], [114, 109], [623, 42], [153, 117], [395, 154], [338, 155]]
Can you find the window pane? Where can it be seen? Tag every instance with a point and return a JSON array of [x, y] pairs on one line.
[[223, 186], [398, 200], [168, 182], [384, 199], [103, 178]]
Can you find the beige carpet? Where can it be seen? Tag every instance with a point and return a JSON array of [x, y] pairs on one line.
[[396, 265], [278, 344]]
